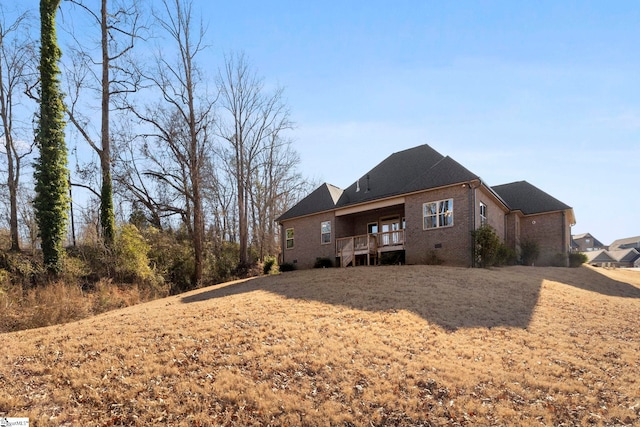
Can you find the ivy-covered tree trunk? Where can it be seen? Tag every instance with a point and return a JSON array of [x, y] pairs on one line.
[[107, 217], [52, 200]]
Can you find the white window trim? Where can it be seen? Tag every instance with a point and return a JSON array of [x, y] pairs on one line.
[[483, 216], [322, 242], [438, 214], [286, 239]]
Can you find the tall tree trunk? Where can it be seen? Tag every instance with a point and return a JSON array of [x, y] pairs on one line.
[[14, 57], [12, 181], [242, 204], [194, 172], [107, 216]]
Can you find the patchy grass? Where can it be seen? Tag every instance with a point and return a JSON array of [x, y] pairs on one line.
[[396, 345]]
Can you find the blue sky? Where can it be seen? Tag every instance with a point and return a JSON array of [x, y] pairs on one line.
[[544, 91]]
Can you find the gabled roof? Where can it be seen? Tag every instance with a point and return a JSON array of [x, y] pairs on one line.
[[321, 199], [625, 255], [599, 256], [629, 242], [528, 198], [596, 243], [407, 171], [415, 169]]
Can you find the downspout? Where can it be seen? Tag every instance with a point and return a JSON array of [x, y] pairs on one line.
[[564, 239], [472, 209], [282, 238]]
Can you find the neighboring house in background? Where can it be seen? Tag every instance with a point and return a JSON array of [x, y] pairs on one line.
[[628, 243], [600, 258], [628, 258], [420, 207], [585, 242]]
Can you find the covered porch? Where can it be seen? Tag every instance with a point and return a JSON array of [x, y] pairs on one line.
[[364, 233]]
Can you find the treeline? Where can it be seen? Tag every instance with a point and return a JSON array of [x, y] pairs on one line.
[[148, 167]]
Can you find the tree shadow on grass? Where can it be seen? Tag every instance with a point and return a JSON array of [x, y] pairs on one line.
[[450, 297], [589, 279]]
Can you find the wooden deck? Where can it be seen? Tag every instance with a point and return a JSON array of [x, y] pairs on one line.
[[372, 245]]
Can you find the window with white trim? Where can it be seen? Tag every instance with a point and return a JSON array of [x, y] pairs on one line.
[[483, 214], [325, 232], [437, 214], [289, 238]]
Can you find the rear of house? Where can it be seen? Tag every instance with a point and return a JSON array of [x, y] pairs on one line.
[[415, 207], [537, 217]]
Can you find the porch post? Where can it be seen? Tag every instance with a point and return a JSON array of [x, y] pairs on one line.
[[353, 251]]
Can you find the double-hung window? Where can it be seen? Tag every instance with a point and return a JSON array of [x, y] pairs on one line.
[[325, 232], [437, 214], [289, 243], [483, 214]]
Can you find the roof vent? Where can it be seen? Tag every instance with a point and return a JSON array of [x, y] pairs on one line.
[[357, 186]]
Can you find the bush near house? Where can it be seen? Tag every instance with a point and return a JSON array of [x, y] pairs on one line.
[[323, 263], [270, 265], [489, 251], [286, 266], [486, 244], [529, 252], [576, 259]]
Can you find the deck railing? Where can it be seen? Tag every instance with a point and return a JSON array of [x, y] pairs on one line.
[[391, 238], [367, 244], [356, 243]]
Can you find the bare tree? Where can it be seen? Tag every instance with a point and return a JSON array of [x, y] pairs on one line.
[[27, 224], [276, 182], [253, 121], [180, 125], [143, 194], [109, 75], [220, 202], [18, 60]]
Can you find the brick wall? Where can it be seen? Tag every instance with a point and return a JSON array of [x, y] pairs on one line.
[[307, 246], [452, 244], [550, 230], [495, 211], [512, 231]]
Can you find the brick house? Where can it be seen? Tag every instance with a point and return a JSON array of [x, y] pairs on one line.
[[626, 243], [418, 207], [585, 242], [626, 258]]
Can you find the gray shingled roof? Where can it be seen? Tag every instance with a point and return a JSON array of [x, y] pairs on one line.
[[599, 256], [321, 199], [415, 169], [528, 198], [629, 242], [596, 243], [625, 255]]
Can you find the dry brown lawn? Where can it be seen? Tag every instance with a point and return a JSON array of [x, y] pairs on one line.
[[397, 345]]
